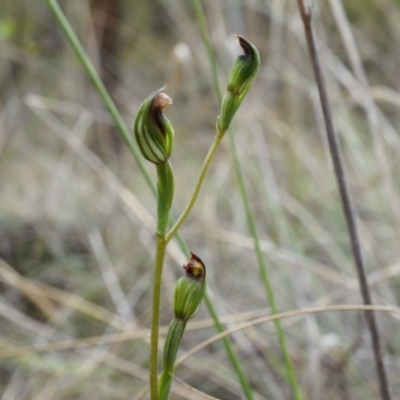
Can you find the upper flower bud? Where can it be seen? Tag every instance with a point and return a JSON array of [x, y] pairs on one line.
[[244, 69], [240, 79], [189, 289], [154, 133]]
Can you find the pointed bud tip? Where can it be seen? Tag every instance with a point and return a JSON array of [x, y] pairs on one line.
[[245, 45], [195, 267], [239, 82]]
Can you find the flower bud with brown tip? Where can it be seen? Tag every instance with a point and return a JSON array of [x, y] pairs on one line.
[[189, 289], [240, 79], [153, 131], [188, 293]]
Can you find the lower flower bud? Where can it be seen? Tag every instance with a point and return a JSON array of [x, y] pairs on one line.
[[189, 290]]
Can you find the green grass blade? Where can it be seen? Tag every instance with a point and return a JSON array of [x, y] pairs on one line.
[[101, 89], [291, 374]]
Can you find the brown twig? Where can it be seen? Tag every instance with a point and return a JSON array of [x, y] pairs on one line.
[[346, 199]]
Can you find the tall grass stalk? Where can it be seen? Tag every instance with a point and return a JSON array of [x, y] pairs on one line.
[[101, 89], [346, 198], [290, 372], [126, 136]]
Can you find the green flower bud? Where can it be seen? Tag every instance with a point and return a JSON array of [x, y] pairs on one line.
[[154, 133], [240, 79], [189, 289]]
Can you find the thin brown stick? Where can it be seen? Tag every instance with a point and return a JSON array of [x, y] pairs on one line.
[[346, 199]]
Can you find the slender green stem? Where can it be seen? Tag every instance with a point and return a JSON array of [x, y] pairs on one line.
[[155, 319], [165, 196], [204, 168], [165, 186], [101, 89], [290, 372], [172, 342]]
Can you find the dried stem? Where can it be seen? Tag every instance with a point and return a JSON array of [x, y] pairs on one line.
[[346, 199]]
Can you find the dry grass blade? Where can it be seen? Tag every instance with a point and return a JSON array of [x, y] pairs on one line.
[[283, 315], [195, 394], [40, 293]]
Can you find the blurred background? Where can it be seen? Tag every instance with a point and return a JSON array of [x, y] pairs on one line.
[[77, 217]]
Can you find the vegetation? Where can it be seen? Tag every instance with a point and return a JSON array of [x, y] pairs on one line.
[[78, 214]]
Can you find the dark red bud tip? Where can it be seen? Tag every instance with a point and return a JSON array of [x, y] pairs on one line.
[[194, 267], [245, 45]]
